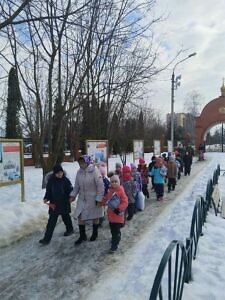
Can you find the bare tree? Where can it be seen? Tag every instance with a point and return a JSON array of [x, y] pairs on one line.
[[192, 103], [8, 16], [70, 52], [47, 69], [124, 65], [11, 12]]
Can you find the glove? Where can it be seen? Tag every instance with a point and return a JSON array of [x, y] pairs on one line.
[[99, 204], [52, 206], [71, 199], [116, 211]]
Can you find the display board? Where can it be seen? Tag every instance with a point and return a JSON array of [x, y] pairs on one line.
[[138, 149], [98, 150], [11, 163], [157, 148]]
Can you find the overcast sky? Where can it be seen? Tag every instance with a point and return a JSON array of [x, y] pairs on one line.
[[198, 26]]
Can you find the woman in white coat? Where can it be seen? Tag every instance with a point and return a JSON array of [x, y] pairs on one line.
[[90, 190]]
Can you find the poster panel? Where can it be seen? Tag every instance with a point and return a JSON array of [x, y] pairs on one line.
[[98, 150], [11, 163], [138, 149], [157, 147], [169, 146]]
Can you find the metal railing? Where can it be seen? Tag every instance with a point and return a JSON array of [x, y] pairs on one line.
[[179, 264], [216, 175], [208, 195], [197, 223], [176, 273]]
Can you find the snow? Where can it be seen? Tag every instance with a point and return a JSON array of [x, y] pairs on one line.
[[61, 271]]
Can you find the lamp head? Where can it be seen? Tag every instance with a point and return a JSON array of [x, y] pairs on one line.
[[192, 54]]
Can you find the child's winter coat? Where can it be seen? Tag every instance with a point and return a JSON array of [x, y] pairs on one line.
[[129, 184], [137, 177], [171, 168], [143, 170], [58, 193], [112, 216], [159, 172], [157, 175], [105, 180]]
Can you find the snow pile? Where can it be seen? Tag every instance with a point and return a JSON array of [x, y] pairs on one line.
[[18, 219]]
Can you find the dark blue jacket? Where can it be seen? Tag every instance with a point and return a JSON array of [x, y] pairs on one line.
[[58, 192], [106, 184]]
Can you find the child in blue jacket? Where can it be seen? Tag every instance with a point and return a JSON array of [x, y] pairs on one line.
[[159, 172]]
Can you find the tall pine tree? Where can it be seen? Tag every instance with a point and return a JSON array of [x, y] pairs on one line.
[[141, 126], [13, 129]]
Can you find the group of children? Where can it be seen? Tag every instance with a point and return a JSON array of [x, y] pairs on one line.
[[168, 169], [122, 190]]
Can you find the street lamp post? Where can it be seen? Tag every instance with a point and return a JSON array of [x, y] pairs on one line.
[[173, 87]]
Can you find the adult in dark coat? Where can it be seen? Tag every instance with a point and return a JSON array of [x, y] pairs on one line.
[[187, 160], [57, 197], [150, 166], [180, 164]]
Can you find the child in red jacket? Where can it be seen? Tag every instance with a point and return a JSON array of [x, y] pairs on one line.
[[117, 202]]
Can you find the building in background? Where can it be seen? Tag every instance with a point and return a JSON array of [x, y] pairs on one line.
[[184, 124]]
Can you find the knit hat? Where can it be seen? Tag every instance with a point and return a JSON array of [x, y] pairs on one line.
[[102, 170], [57, 168], [110, 174], [176, 153], [115, 178], [118, 165], [102, 163], [86, 158], [153, 158], [164, 155], [141, 161], [133, 166], [126, 169], [126, 173]]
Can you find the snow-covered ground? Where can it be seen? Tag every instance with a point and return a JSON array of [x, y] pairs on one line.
[[18, 219], [62, 271]]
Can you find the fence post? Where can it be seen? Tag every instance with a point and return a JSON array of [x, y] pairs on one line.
[[189, 259]]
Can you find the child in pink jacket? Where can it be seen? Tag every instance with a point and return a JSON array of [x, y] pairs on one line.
[[117, 202]]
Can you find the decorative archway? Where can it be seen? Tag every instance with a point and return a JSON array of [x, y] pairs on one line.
[[212, 114]]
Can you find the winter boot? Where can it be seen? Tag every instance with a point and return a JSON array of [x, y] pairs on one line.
[[68, 233], [101, 220], [94, 233], [113, 249], [115, 242], [82, 237], [130, 210], [44, 242]]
